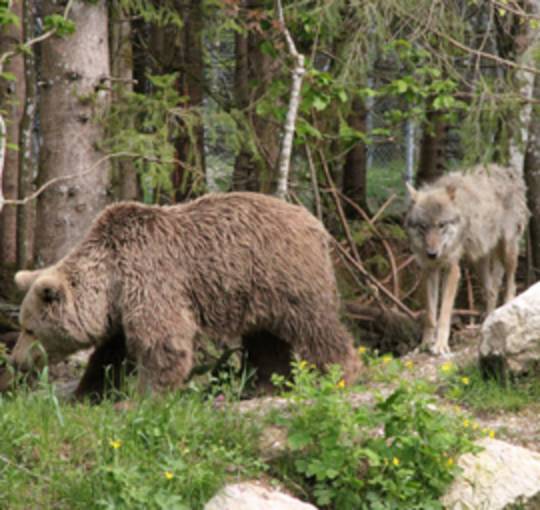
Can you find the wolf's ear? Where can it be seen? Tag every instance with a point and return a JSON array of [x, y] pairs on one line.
[[50, 289], [451, 190], [25, 279], [413, 194]]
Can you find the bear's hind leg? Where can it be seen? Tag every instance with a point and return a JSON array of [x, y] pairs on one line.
[[319, 337]]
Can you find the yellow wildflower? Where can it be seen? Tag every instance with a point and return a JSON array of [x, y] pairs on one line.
[[450, 462], [168, 475], [387, 358], [447, 367], [362, 350], [465, 380], [302, 365], [341, 384], [465, 423], [395, 461], [491, 434], [409, 364], [115, 444]]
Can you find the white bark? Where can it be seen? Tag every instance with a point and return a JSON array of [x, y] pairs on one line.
[[526, 80], [284, 161]]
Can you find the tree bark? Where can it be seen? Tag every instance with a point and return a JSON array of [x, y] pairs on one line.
[[532, 178], [190, 171], [12, 95], [73, 72], [124, 173], [431, 163], [355, 168], [26, 213], [255, 165]]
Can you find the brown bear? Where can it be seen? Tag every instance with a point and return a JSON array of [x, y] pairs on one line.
[[147, 280]]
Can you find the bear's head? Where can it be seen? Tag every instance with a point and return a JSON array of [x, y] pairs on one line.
[[51, 318]]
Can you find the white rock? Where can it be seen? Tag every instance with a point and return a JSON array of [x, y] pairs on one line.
[[499, 475], [254, 496], [512, 332]]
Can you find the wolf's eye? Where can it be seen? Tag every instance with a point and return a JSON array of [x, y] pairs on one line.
[[29, 332], [443, 224]]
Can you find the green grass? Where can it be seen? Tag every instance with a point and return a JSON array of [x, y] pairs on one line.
[[176, 451], [481, 394], [173, 452]]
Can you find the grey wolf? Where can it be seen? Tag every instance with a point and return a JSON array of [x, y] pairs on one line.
[[480, 215]]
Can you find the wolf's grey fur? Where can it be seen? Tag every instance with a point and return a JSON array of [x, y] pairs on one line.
[[479, 214], [148, 280]]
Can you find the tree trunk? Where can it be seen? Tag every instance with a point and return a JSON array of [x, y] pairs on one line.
[[12, 94], [190, 171], [73, 70], [245, 174], [124, 173], [532, 178], [27, 157], [176, 50], [431, 163], [355, 168], [255, 165]]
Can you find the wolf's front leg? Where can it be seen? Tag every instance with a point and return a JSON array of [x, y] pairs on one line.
[[449, 295], [431, 298]]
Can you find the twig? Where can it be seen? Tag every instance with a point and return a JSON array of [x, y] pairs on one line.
[[355, 261], [62, 178], [372, 279], [9, 462], [383, 207], [284, 160], [314, 183], [384, 242]]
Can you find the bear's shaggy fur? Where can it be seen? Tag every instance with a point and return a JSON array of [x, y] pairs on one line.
[[147, 280]]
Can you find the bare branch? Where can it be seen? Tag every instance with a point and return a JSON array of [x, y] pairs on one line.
[[69, 177]]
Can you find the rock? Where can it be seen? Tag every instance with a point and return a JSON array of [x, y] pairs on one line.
[[500, 475], [511, 334], [253, 495]]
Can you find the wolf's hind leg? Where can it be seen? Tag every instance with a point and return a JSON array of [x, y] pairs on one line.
[[431, 298], [511, 252], [451, 282], [491, 271]]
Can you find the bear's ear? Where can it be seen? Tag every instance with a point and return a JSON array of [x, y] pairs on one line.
[[49, 289], [25, 279]]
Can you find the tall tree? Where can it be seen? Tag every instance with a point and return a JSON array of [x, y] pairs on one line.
[[532, 177], [27, 156], [125, 176], [431, 164], [355, 167], [255, 165], [12, 96], [74, 72]]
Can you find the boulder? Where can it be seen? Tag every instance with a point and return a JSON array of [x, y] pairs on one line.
[[253, 495], [499, 475], [511, 335]]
